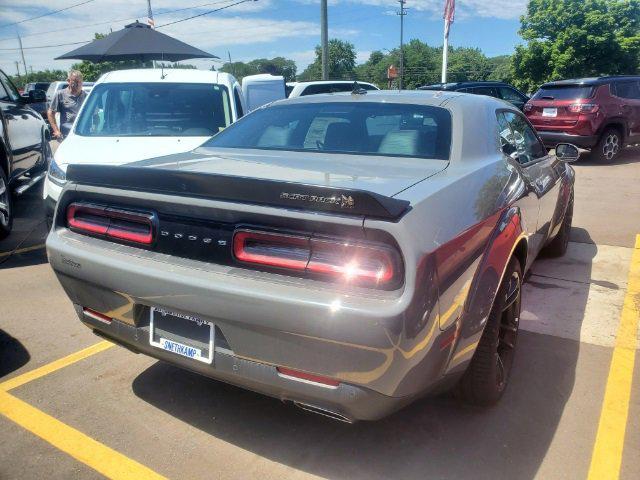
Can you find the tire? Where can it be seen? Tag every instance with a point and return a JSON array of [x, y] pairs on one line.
[[558, 246], [608, 146], [6, 206], [487, 376]]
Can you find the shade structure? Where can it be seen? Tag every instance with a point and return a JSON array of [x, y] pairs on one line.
[[135, 41]]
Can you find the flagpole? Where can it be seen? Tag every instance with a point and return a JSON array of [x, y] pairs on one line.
[[445, 53]]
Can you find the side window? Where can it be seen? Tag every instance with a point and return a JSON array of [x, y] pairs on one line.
[[12, 92], [527, 145], [4, 96], [238, 102], [507, 143], [489, 91], [510, 95], [627, 90]]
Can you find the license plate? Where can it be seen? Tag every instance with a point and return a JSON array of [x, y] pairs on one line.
[[183, 335], [549, 112]]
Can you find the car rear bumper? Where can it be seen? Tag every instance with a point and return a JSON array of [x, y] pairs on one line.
[[345, 402], [551, 139], [382, 351]]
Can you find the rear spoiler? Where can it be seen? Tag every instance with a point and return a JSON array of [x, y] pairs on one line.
[[240, 189]]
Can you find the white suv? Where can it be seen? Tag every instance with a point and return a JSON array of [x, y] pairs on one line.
[[300, 89], [133, 115]]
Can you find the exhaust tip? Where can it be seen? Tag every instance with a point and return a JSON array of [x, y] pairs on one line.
[[323, 411]]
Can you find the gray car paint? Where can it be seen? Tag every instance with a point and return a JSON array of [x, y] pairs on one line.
[[384, 345]]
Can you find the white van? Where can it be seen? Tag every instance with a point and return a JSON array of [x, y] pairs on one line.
[[262, 89], [133, 115]]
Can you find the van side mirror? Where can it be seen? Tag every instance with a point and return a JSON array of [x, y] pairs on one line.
[[567, 152]]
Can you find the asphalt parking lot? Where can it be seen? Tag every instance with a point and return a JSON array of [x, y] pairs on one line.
[[73, 406]]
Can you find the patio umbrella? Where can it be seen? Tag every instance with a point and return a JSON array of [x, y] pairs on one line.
[[136, 41]]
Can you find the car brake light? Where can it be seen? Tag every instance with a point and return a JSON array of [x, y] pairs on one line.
[[368, 265], [309, 377], [583, 108], [134, 227]]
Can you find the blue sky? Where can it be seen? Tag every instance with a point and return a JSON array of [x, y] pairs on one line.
[[264, 28]]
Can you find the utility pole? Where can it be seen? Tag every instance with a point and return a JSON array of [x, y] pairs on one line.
[[24, 64], [402, 13], [233, 70], [324, 39], [17, 69]]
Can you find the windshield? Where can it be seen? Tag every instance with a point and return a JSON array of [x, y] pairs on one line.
[[569, 92], [344, 127], [155, 109]]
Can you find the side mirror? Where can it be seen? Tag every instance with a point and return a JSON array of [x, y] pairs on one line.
[[37, 96], [567, 152]]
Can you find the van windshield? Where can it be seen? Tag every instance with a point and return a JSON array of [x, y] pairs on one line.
[[562, 92], [155, 110], [367, 128]]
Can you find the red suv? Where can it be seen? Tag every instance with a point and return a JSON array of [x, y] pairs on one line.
[[601, 114]]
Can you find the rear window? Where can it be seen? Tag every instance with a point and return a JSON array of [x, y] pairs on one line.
[[569, 92], [333, 88], [354, 128], [155, 110]]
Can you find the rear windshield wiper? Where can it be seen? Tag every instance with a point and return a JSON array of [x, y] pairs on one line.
[[548, 97]]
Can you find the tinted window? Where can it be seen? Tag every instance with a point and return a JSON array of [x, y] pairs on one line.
[[11, 90], [238, 102], [627, 90], [489, 91], [154, 109], [358, 128], [569, 92], [523, 139], [327, 88], [510, 95]]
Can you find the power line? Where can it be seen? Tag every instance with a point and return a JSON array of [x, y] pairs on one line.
[[47, 14], [166, 12], [205, 13], [43, 46]]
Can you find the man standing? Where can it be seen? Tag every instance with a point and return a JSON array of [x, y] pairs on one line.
[[67, 102]]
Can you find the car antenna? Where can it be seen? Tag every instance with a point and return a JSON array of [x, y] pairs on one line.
[[357, 89]]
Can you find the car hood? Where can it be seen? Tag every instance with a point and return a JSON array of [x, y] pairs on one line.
[[385, 175], [120, 150]]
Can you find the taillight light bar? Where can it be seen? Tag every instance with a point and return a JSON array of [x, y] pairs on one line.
[[376, 266], [129, 226], [583, 108]]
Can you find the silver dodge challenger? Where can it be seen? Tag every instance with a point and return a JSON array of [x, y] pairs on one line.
[[347, 253]]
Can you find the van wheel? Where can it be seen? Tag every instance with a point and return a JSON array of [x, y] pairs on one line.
[[485, 380], [608, 146], [6, 206]]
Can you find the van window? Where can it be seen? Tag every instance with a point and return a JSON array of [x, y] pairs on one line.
[[155, 109], [238, 102]]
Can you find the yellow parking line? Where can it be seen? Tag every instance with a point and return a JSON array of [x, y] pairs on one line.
[[53, 366], [22, 250], [73, 442], [609, 444]]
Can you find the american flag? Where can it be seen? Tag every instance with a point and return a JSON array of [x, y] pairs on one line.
[[449, 13]]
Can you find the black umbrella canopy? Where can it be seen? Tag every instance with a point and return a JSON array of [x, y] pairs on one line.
[[136, 41]]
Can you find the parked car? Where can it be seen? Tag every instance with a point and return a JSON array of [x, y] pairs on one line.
[[300, 89], [24, 147], [137, 114], [501, 90], [601, 114], [348, 253], [40, 107]]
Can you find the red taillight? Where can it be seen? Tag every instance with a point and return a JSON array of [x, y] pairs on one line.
[[114, 223], [583, 108], [309, 377], [368, 265]]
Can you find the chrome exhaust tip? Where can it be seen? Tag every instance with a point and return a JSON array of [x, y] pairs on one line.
[[323, 411]]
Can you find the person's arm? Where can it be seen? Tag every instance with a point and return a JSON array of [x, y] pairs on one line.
[[51, 115]]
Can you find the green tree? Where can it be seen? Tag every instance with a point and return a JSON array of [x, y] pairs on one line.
[[501, 69], [577, 38], [275, 66], [342, 62], [39, 76]]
